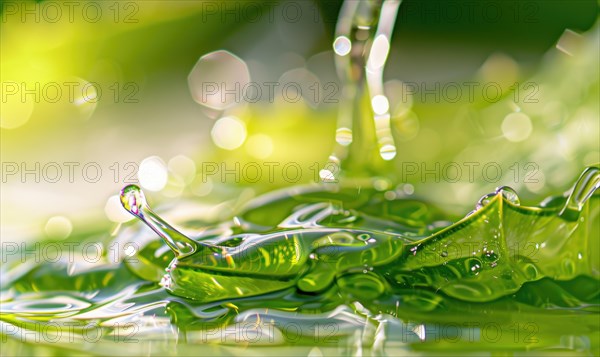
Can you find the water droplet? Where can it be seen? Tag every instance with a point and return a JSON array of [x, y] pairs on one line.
[[326, 175], [380, 104], [334, 160], [342, 45], [489, 256], [444, 254], [343, 136], [584, 188], [387, 152], [379, 52], [509, 194], [473, 266], [134, 201], [484, 200]]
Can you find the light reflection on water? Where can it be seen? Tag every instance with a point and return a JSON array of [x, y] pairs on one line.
[[119, 307]]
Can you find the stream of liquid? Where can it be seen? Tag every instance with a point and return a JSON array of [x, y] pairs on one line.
[[363, 136], [325, 269]]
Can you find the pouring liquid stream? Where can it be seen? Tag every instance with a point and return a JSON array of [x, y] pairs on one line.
[[363, 136]]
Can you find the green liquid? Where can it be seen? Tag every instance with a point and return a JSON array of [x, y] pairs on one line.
[[333, 267]]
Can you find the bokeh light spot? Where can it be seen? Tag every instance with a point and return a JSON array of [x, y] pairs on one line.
[[58, 227], [342, 45], [202, 186], [380, 104], [184, 167], [229, 133], [516, 127], [153, 174], [218, 79]]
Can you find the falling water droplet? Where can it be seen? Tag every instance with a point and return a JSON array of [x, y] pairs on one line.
[[343, 136], [380, 104], [332, 167], [387, 152], [134, 201]]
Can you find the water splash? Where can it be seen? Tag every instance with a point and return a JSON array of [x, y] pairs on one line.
[[281, 277], [344, 258], [586, 185], [316, 246], [134, 201]]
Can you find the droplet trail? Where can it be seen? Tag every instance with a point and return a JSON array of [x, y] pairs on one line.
[[134, 201]]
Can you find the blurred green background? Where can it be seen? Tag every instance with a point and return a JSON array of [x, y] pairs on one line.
[[140, 109]]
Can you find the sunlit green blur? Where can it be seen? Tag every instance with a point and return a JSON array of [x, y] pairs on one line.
[[106, 84], [98, 95]]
